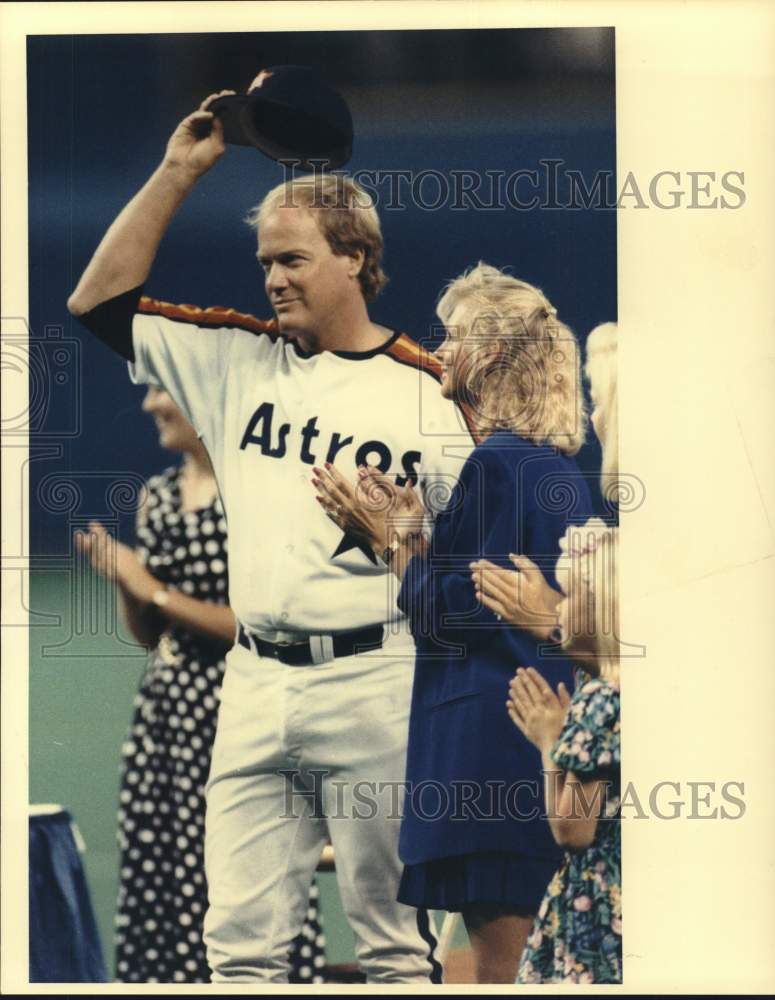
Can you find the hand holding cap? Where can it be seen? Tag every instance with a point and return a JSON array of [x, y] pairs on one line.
[[291, 114]]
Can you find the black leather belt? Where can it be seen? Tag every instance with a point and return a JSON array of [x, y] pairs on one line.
[[299, 654]]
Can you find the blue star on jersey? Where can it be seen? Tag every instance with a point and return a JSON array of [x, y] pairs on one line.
[[351, 542]]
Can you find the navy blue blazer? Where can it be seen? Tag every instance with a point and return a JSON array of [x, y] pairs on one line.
[[473, 781]]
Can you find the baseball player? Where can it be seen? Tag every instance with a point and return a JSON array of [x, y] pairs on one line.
[[312, 729]]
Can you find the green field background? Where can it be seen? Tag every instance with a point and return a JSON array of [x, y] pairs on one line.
[[84, 673]]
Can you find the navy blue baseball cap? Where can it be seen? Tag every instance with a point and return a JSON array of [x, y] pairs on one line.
[[291, 114]]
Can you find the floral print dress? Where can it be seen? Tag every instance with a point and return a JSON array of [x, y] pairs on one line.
[[577, 934]]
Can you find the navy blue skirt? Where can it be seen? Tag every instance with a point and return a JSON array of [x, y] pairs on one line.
[[514, 881]]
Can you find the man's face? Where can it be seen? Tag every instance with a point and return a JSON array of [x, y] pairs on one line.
[[306, 283]]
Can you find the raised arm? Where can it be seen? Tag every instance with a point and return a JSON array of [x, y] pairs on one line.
[[123, 259]]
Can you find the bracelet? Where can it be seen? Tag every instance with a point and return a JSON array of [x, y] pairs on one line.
[[389, 551], [161, 597]]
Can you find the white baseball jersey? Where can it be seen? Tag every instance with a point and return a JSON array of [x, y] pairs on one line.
[[267, 413]]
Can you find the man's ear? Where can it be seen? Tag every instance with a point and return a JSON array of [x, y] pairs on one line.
[[356, 263]]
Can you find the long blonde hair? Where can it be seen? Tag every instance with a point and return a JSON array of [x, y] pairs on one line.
[[525, 372]]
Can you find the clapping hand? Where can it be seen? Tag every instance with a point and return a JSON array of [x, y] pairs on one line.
[[535, 709], [375, 508], [115, 561], [521, 596]]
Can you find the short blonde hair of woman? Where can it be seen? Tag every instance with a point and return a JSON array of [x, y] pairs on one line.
[[604, 591], [601, 370], [345, 214], [526, 376], [590, 551]]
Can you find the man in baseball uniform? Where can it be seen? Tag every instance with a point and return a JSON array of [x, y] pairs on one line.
[[312, 729]]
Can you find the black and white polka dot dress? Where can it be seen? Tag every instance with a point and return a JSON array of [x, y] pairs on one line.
[[166, 759]]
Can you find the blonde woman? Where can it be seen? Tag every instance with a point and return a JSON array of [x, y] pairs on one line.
[[577, 934], [473, 838]]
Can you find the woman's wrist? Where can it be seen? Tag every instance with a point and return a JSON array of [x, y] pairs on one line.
[[143, 587], [387, 552], [161, 596], [391, 535], [401, 550], [414, 543], [548, 630], [409, 545]]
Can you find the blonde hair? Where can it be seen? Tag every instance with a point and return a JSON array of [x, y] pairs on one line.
[[601, 370], [604, 590], [590, 555], [527, 376], [345, 214]]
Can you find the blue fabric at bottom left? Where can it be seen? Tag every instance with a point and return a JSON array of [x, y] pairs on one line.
[[64, 941]]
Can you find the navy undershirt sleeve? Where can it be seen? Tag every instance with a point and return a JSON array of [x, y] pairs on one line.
[[111, 321]]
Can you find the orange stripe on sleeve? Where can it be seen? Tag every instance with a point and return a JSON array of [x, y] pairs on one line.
[[409, 352], [212, 316]]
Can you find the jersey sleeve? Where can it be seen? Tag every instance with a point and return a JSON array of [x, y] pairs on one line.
[[111, 321], [589, 744], [181, 348], [187, 359]]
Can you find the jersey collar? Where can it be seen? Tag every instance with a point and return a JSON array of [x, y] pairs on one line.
[[351, 355], [364, 355]]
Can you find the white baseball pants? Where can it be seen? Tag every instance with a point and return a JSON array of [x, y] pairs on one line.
[[302, 753]]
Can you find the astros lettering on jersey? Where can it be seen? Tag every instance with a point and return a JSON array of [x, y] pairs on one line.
[[267, 411]]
